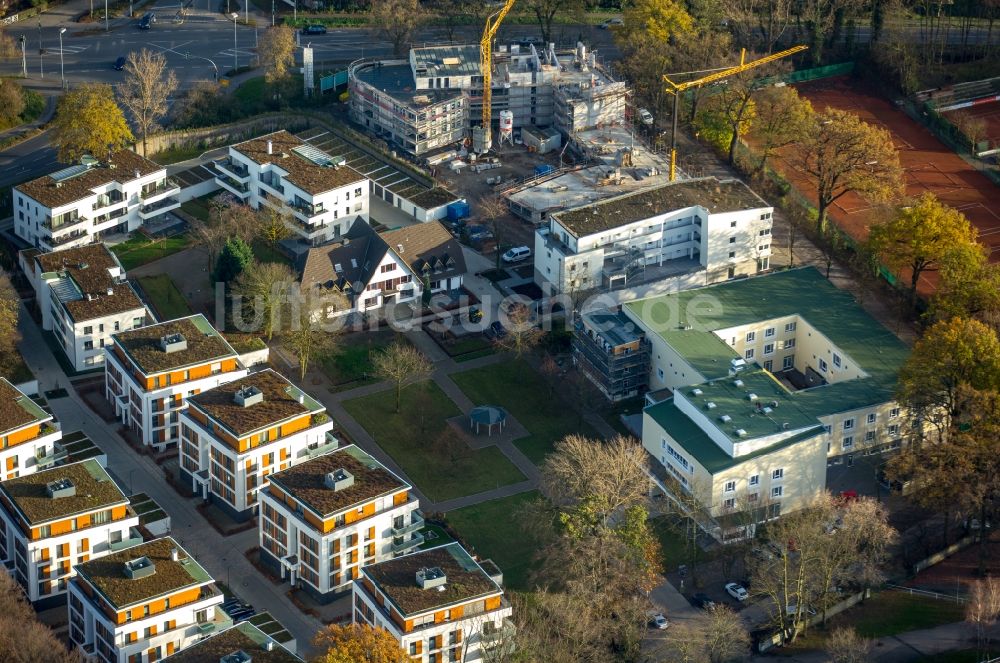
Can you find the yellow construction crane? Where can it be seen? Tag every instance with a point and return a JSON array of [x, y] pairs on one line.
[[676, 89], [486, 65]]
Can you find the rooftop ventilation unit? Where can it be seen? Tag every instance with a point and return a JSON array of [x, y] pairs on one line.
[[60, 488], [174, 554], [737, 364], [238, 656], [173, 343], [248, 395], [339, 479], [139, 568], [751, 397], [738, 384], [740, 432], [767, 410], [774, 404], [430, 578], [696, 392], [710, 405], [725, 418]]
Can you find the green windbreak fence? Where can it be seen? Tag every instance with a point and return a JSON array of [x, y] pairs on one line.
[[803, 75]]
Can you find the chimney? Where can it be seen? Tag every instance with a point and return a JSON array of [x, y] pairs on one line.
[[399, 248], [174, 555], [270, 147], [111, 290]]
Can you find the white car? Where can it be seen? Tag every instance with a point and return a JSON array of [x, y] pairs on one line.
[[646, 117], [516, 254], [737, 591], [658, 621]]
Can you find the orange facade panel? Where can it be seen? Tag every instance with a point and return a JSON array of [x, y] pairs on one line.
[[400, 497], [493, 603], [23, 435]]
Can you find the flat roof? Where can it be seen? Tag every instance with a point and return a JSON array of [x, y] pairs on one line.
[[396, 79], [81, 279], [305, 481], [17, 410], [243, 637], [79, 182], [717, 196], [688, 320], [397, 579], [282, 401], [312, 177], [703, 448], [204, 344], [94, 490], [448, 60], [107, 574], [613, 326]]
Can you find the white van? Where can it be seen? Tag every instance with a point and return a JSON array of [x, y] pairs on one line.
[[517, 254]]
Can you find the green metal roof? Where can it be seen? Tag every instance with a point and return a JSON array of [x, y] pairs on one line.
[[698, 444], [687, 321]]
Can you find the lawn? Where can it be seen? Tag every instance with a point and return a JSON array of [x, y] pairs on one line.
[[672, 542], [264, 252], [349, 365], [493, 530], [515, 386], [199, 208], [892, 612], [431, 453], [164, 296], [139, 249]]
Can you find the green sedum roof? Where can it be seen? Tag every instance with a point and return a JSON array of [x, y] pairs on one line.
[[687, 321]]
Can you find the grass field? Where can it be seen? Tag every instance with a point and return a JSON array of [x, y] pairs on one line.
[[350, 365], [434, 457], [264, 252], [494, 531], [164, 296], [892, 612], [515, 386], [198, 207], [672, 542], [140, 250]]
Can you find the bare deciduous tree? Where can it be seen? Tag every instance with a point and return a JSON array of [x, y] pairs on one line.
[[305, 333], [146, 90], [983, 610], [397, 20], [23, 639], [402, 364], [264, 287], [845, 646], [494, 210], [522, 335], [276, 52]]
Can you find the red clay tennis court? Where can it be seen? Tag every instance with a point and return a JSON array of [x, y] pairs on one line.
[[990, 112], [928, 163]]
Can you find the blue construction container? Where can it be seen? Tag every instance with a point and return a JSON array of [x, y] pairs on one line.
[[543, 169], [458, 210]]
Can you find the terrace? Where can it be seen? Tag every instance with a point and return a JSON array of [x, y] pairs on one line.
[[234, 170], [165, 187]]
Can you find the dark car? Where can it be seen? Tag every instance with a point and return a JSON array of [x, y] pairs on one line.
[[147, 20], [314, 30], [120, 63], [702, 601], [497, 329]]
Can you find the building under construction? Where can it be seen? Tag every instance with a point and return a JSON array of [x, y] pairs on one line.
[[432, 100]]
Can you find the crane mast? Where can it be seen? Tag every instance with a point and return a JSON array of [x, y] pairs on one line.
[[676, 89], [486, 66]]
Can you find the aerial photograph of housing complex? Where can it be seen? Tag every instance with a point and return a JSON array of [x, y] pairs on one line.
[[499, 331]]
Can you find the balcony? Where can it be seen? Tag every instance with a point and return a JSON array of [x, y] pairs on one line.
[[406, 546], [61, 225], [159, 207], [235, 187], [308, 229], [65, 239], [330, 445], [237, 172], [106, 201], [133, 539], [274, 185], [416, 522], [219, 622], [59, 454], [305, 211], [164, 188], [504, 634]]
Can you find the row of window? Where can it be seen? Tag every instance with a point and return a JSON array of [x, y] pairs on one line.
[[776, 475], [770, 332]]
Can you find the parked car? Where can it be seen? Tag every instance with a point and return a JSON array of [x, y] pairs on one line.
[[516, 254], [497, 330], [737, 591], [147, 20], [314, 30], [792, 609], [475, 315], [120, 63], [530, 40], [478, 233], [646, 117], [702, 601], [610, 22], [658, 621]]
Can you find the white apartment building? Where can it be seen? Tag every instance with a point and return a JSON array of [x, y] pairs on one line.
[[52, 521], [434, 98], [29, 436], [237, 434], [84, 299], [324, 519], [719, 229], [80, 204], [150, 372], [768, 378], [317, 193], [142, 604], [439, 604], [373, 269]]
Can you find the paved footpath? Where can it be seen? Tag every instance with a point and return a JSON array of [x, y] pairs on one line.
[[222, 556]]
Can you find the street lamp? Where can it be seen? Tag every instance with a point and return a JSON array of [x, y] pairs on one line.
[[62, 70], [236, 61]]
